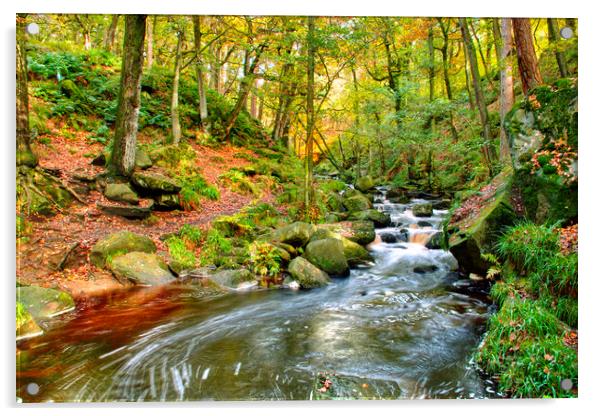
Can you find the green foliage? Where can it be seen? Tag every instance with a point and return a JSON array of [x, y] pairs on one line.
[[239, 182], [264, 258], [191, 234], [214, 247], [180, 254], [525, 346]]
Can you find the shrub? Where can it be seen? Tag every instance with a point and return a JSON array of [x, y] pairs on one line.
[[180, 254]]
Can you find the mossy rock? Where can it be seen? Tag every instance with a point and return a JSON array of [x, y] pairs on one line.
[[167, 202], [47, 198], [155, 183], [365, 183], [121, 192], [44, 303], [328, 254], [423, 210], [479, 235], [334, 202], [119, 243], [354, 253], [296, 234], [25, 324], [142, 161], [231, 226], [357, 203], [308, 275], [144, 269], [361, 232], [380, 219], [232, 278]]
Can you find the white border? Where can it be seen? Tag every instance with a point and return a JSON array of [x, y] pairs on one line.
[[590, 128]]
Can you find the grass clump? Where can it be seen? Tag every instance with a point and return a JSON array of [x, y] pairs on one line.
[[182, 258], [238, 182], [265, 261]]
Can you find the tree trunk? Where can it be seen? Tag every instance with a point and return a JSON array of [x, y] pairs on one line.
[[25, 156], [467, 78], [110, 34], [245, 87], [431, 64], [479, 97], [126, 122], [199, 72], [176, 130], [149, 42], [554, 38], [506, 85], [309, 139], [525, 51], [446, 80]]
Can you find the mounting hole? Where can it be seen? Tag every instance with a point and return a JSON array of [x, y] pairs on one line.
[[566, 33], [566, 384], [33, 389], [33, 29]]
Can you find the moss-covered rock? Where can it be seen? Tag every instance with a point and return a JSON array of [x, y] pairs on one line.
[[357, 203], [423, 210], [232, 278], [142, 161], [365, 183], [42, 302], [167, 202], [296, 234], [354, 253], [328, 254], [155, 183], [25, 324], [334, 201], [361, 232], [119, 243], [478, 235], [121, 192], [308, 275], [380, 219], [144, 269]]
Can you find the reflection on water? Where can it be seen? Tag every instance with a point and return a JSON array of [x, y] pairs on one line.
[[400, 328]]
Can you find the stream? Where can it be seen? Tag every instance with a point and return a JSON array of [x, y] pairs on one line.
[[402, 327]]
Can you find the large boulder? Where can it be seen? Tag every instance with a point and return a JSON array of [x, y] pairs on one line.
[[334, 201], [380, 219], [365, 183], [119, 243], [476, 235], [329, 255], [232, 278], [155, 183], [361, 232], [43, 303], [127, 211], [423, 210], [144, 269], [308, 275], [357, 203], [167, 202], [121, 192], [296, 234], [354, 253]]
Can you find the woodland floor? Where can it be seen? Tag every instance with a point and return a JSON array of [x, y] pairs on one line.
[[77, 228]]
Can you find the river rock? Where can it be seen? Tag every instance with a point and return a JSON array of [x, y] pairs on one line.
[[388, 238], [308, 275], [442, 204], [25, 324], [142, 161], [329, 255], [357, 203], [423, 210], [361, 232], [155, 183], [144, 269], [296, 234], [354, 253], [365, 183], [424, 224], [380, 219], [119, 243], [42, 302], [425, 269], [121, 192], [167, 202], [334, 202], [232, 278], [404, 234], [435, 241]]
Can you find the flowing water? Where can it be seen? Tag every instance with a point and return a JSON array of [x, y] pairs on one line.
[[403, 327]]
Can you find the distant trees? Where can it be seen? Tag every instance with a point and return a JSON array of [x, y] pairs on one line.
[[126, 122]]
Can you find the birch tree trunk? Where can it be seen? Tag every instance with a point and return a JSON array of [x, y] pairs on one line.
[[506, 84], [199, 72], [309, 139], [176, 130], [128, 107], [149, 42]]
